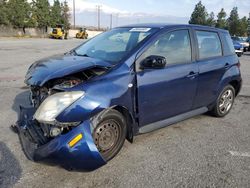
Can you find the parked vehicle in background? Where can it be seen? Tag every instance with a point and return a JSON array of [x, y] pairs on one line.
[[58, 32], [124, 82], [82, 34], [248, 41], [239, 50], [241, 41]]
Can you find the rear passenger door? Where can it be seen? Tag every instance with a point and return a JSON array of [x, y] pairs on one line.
[[212, 66]]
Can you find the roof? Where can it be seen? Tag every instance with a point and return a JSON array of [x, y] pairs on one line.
[[166, 25]]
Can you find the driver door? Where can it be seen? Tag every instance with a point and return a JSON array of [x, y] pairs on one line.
[[167, 91]]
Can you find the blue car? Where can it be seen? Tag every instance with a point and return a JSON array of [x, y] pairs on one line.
[[124, 82], [239, 50]]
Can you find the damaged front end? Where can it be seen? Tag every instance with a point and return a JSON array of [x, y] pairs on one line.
[[43, 138], [69, 150]]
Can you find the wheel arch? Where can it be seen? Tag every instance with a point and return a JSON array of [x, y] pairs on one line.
[[130, 121], [236, 85], [132, 127]]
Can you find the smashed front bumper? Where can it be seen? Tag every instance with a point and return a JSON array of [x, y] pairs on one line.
[[84, 156]]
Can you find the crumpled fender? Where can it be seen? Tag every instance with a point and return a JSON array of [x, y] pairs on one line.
[[84, 156]]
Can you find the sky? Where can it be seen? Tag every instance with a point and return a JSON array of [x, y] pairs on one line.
[[140, 11]]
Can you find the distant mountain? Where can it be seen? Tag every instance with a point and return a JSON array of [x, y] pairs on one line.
[[89, 18]]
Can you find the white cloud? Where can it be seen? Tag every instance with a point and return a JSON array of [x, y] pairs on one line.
[[82, 6]]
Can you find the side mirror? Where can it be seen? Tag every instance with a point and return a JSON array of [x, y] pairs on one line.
[[153, 61]]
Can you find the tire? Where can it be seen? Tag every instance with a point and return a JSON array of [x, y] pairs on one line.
[[224, 102], [109, 133]]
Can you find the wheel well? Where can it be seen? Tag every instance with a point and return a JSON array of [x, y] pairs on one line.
[[129, 121], [236, 85]]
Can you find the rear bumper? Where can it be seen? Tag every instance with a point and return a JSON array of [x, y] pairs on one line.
[[239, 52], [83, 156]]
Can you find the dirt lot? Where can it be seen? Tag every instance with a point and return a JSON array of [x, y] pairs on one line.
[[200, 152]]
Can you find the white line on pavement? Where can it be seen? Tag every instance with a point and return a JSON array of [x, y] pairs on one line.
[[240, 154]]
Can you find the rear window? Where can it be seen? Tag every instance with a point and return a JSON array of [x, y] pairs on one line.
[[209, 44], [228, 44]]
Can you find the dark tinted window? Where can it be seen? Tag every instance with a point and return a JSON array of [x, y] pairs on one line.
[[174, 46], [228, 44], [209, 44]]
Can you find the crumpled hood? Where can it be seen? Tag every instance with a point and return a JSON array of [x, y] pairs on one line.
[[58, 66]]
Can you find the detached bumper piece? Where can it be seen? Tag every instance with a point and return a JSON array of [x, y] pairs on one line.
[[74, 150]]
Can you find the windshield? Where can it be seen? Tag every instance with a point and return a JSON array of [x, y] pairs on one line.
[[115, 44]]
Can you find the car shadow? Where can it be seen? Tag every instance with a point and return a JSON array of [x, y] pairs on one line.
[[10, 169]]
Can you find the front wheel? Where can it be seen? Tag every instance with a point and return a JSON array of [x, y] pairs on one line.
[[224, 102], [109, 134]]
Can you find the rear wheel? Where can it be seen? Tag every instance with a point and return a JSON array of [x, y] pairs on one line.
[[224, 102], [109, 134]]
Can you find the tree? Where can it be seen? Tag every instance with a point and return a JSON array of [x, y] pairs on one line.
[[248, 26], [41, 11], [3, 13], [56, 14], [221, 19], [19, 13], [65, 15], [243, 26], [199, 15], [210, 20], [234, 22]]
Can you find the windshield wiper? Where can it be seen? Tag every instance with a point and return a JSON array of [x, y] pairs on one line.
[[71, 52], [84, 55], [75, 53]]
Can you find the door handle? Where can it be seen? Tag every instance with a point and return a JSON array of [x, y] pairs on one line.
[[192, 74]]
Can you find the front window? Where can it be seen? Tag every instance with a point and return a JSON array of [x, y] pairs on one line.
[[175, 46], [114, 45]]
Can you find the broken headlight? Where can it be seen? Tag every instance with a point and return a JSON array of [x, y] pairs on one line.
[[53, 105]]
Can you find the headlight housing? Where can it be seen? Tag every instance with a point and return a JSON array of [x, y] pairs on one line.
[[52, 106]]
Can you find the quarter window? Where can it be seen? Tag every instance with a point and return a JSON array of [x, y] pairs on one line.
[[228, 45], [174, 46], [209, 44]]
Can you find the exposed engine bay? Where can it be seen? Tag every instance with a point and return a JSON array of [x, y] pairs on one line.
[[39, 94]]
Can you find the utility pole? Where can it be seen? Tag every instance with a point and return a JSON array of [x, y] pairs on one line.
[[117, 17], [74, 14], [98, 16], [248, 26], [111, 20]]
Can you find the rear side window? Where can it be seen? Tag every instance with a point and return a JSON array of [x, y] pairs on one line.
[[209, 44], [228, 44]]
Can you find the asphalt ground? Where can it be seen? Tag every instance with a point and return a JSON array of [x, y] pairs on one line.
[[200, 152]]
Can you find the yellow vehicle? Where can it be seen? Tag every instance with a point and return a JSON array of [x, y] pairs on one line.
[[58, 32], [82, 34]]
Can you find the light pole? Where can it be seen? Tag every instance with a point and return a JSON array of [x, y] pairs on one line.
[[98, 16], [111, 20], [74, 14]]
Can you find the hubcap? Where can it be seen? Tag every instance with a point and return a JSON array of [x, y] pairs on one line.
[[226, 101], [106, 135]]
